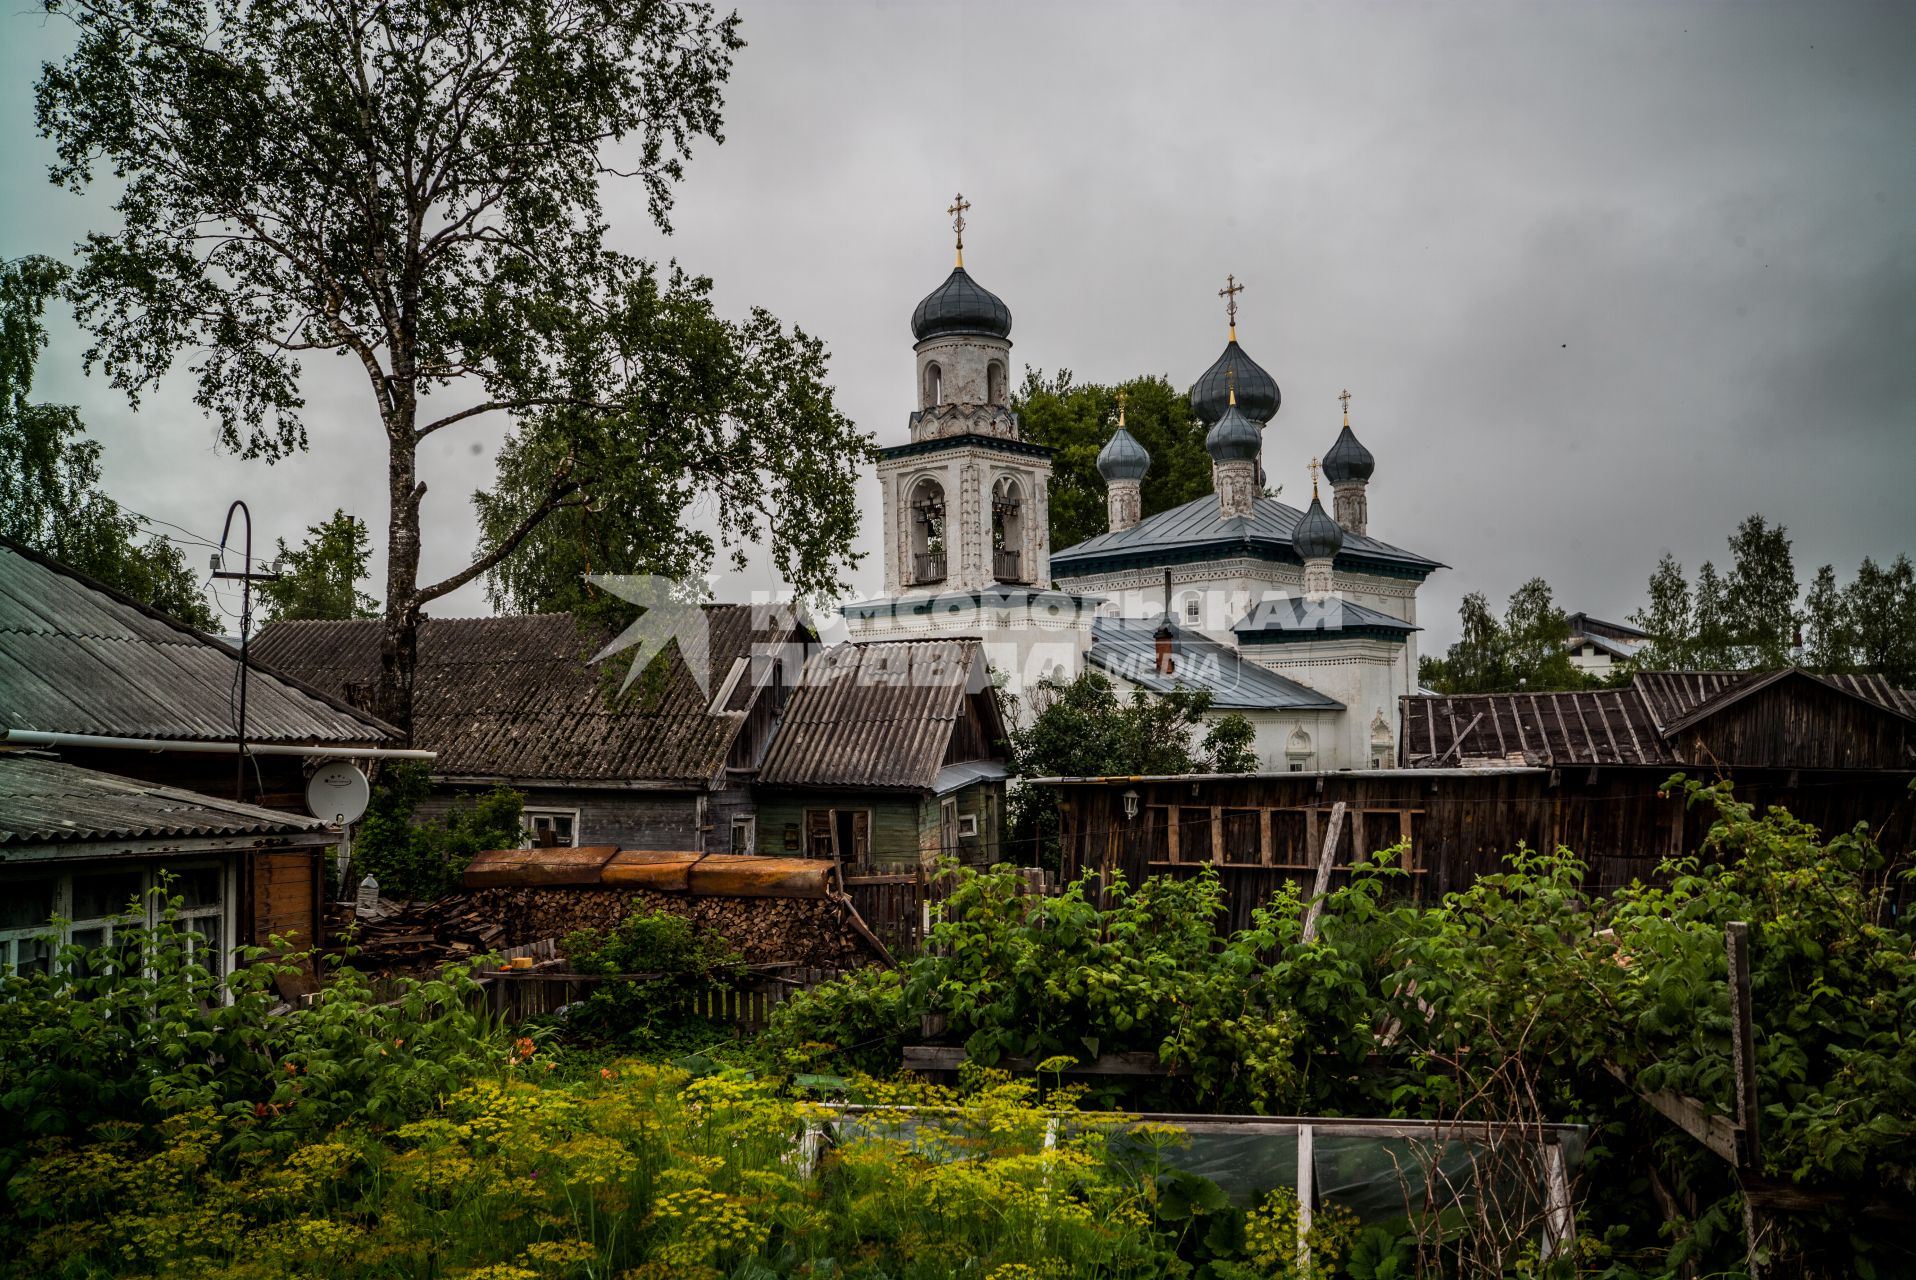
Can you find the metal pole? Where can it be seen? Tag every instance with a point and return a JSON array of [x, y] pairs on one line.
[[245, 576]]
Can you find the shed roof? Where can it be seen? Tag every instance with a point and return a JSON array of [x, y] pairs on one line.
[[45, 801], [1198, 530], [1628, 725], [877, 715], [1128, 648], [78, 657], [515, 698]]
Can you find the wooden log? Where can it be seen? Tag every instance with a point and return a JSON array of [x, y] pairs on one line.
[[1324, 860]]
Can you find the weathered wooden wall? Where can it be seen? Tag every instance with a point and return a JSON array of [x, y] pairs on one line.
[[1261, 830], [1800, 724], [280, 897]]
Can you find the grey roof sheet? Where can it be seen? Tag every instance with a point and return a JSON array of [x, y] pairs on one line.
[[44, 801], [1629, 725], [514, 697], [876, 714], [78, 657], [1298, 617], [1198, 529], [1127, 647]]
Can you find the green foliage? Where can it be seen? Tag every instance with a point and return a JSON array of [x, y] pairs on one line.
[[50, 495], [417, 189], [1081, 728], [135, 1032], [1526, 650], [320, 580], [1668, 618], [655, 1014], [1761, 594], [853, 1024], [1077, 419], [424, 859]]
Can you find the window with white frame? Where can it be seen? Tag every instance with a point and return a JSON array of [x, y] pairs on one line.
[[100, 905], [550, 827], [744, 833]]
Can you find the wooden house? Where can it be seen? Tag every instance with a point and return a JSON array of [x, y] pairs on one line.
[[1482, 774], [891, 754], [517, 701], [118, 740]]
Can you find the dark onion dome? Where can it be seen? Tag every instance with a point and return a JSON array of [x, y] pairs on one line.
[[1257, 393], [1317, 536], [1235, 438], [1348, 459], [1123, 458], [960, 305]]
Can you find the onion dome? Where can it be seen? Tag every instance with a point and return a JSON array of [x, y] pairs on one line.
[[1257, 393], [1235, 438], [1348, 459], [960, 305], [1317, 536], [1123, 458]]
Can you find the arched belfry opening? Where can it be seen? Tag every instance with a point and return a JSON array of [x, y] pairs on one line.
[[995, 382], [934, 386], [927, 531], [1007, 529]]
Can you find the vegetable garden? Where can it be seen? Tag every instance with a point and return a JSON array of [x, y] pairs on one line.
[[148, 1129]]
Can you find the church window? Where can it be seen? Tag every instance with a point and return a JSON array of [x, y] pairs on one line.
[[1007, 530], [927, 531], [995, 382], [1191, 609], [934, 386]]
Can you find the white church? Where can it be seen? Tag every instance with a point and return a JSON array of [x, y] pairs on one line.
[[1300, 621]]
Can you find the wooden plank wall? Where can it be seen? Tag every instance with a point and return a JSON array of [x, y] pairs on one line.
[[282, 896], [1261, 831]]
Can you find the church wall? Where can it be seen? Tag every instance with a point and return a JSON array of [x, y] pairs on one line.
[[1367, 676]]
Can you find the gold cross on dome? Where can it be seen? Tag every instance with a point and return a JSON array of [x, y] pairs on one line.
[[1313, 479], [1120, 406], [1346, 398], [957, 211], [1229, 293]]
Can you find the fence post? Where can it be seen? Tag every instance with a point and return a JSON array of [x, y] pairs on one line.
[[1736, 945], [1306, 1192]]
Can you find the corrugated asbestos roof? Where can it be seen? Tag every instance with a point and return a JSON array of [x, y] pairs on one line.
[[1199, 527], [1127, 647], [1628, 725], [515, 698], [45, 801], [78, 657], [879, 714]]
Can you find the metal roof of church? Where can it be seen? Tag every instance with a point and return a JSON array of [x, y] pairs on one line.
[[1199, 531], [1127, 647], [1284, 618]]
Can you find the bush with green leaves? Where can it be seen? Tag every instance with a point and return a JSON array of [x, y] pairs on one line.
[[415, 859], [853, 1024], [141, 1029], [656, 1012]]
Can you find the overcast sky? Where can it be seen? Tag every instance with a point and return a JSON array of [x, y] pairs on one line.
[[1602, 279]]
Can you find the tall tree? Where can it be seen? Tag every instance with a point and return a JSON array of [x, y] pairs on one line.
[[1668, 618], [320, 578], [1479, 660], [1076, 419], [1537, 638], [1762, 590], [1713, 649], [1881, 608], [417, 188], [1829, 642], [50, 495]]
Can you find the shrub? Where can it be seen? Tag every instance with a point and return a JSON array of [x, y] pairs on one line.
[[854, 1023], [424, 859], [659, 1013]]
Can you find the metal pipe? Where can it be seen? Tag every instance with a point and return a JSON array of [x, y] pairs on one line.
[[36, 738]]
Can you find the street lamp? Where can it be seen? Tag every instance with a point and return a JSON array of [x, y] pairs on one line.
[[1130, 804]]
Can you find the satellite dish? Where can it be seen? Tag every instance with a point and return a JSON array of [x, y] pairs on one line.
[[337, 792]]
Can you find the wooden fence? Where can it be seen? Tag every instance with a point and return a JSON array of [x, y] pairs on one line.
[[516, 995], [897, 906]]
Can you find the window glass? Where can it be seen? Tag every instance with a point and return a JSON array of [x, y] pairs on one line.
[[196, 887], [27, 904], [106, 894], [27, 955]]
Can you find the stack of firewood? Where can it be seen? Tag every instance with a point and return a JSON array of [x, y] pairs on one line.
[[807, 931], [396, 934]]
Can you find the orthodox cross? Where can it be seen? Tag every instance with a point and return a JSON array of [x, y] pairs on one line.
[[1346, 398], [957, 211], [1120, 406], [1229, 293], [1313, 479]]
